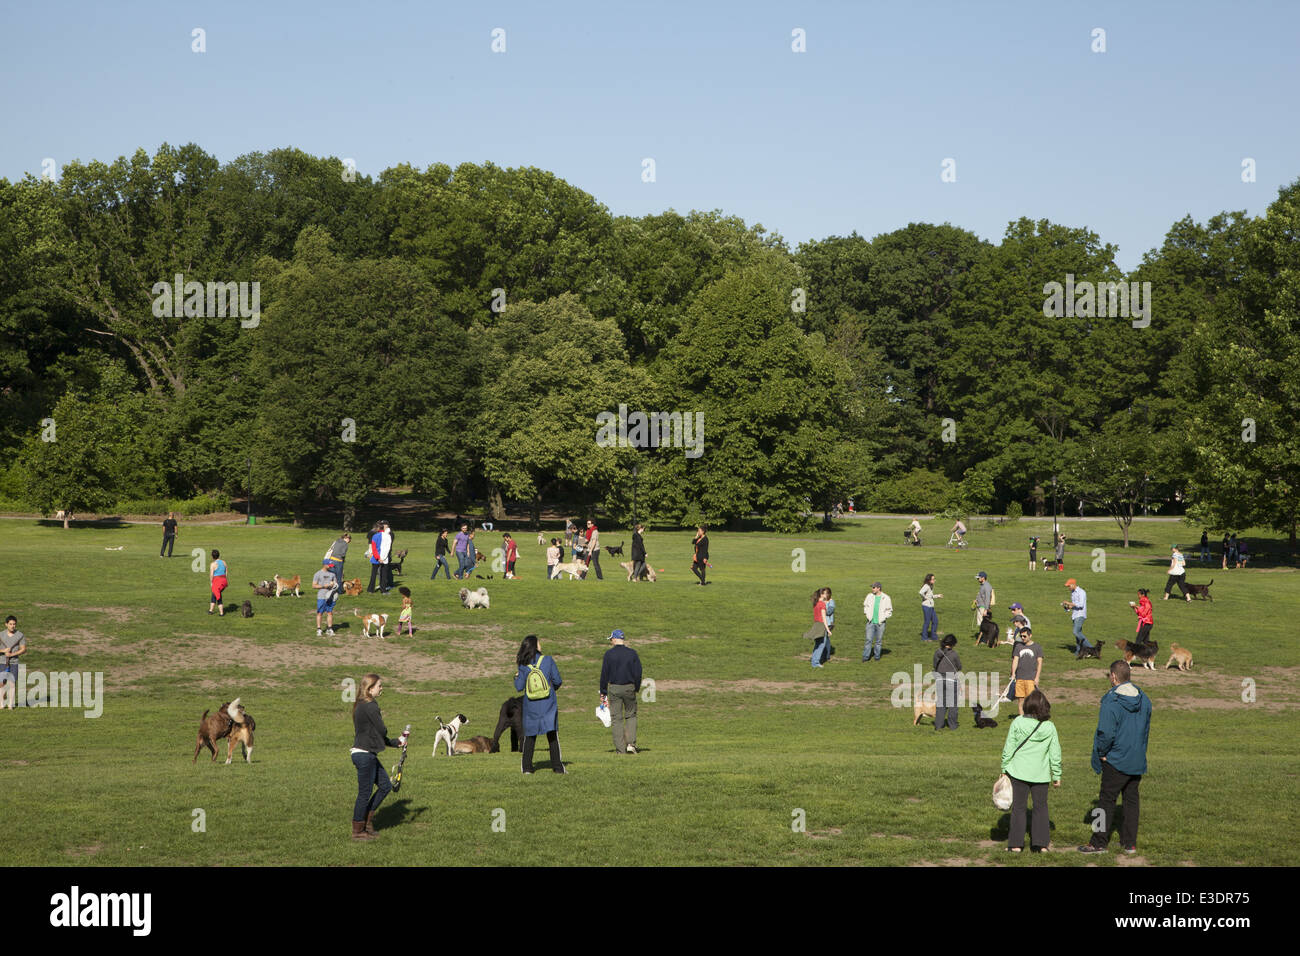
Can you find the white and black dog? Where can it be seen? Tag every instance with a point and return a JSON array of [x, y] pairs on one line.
[[448, 733], [472, 599]]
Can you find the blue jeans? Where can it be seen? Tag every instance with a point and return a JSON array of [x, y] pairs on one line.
[[441, 563], [369, 773], [1081, 642], [876, 633], [1205, 555], [929, 624], [460, 564], [335, 568], [821, 651]]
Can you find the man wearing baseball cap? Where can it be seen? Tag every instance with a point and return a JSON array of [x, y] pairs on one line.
[[620, 681], [1078, 608], [984, 600], [327, 592]]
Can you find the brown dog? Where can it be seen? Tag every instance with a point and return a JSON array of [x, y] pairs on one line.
[[288, 584], [1182, 655], [262, 590], [231, 722], [921, 709], [1143, 652], [1201, 591], [352, 588], [475, 745]]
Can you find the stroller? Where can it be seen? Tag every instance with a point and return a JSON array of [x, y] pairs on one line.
[[910, 538]]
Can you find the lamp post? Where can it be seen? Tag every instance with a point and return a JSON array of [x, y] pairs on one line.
[[1054, 527], [251, 519], [634, 468]]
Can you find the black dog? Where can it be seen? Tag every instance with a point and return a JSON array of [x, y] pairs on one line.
[[512, 716], [982, 722], [988, 632], [396, 561], [247, 609], [1094, 652], [1199, 590], [618, 552]]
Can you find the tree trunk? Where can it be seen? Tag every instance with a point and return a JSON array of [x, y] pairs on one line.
[[496, 507], [537, 512], [349, 516], [65, 524]]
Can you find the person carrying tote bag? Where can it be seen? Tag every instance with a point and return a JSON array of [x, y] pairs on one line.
[[1029, 767]]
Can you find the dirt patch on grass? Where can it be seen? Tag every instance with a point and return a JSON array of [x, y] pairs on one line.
[[84, 851], [824, 834], [477, 652], [1125, 860], [953, 861]]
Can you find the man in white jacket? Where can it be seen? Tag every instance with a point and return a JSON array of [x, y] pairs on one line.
[[878, 608]]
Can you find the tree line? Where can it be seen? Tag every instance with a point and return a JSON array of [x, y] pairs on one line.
[[461, 330]]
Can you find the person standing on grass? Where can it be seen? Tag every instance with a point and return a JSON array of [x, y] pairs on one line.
[[1177, 574], [462, 551], [336, 555], [620, 682], [371, 737], [1119, 754], [1225, 551], [929, 617], [1033, 554], [471, 554], [638, 553], [701, 559], [593, 549], [169, 535], [552, 557], [1078, 608], [1205, 547], [822, 645], [1060, 551], [219, 581], [983, 598], [385, 555], [947, 667], [878, 609], [1145, 614], [440, 556], [14, 645], [541, 713], [1243, 554], [512, 554], [327, 592], [1026, 665], [1031, 757]]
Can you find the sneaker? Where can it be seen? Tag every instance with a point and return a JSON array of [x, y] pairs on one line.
[[1089, 848], [330, 632], [1130, 850], [528, 773], [631, 749], [816, 665], [318, 632]]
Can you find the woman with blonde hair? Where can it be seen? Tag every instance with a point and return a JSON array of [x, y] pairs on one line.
[[371, 738]]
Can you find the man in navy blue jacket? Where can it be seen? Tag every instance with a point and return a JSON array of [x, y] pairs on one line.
[[620, 682], [1119, 754]]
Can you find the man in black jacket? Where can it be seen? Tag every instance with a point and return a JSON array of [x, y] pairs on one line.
[[638, 553], [620, 681]]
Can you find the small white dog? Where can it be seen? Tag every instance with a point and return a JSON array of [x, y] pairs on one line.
[[574, 569], [541, 539], [373, 620], [447, 733], [472, 599]]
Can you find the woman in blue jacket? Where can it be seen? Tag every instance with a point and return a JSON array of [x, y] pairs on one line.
[[540, 716]]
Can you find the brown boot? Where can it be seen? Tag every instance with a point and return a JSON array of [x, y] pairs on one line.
[[359, 830], [370, 823]]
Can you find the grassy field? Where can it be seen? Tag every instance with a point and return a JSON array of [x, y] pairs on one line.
[[741, 741]]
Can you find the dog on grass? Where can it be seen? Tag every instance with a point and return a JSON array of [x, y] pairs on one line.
[[293, 584], [541, 539], [615, 552], [447, 733], [247, 609], [981, 721], [574, 569], [1201, 591], [472, 599], [647, 575], [373, 619], [922, 708], [988, 632], [262, 590], [1094, 652], [1180, 654], [352, 588], [1145, 653], [512, 716], [395, 562], [230, 721], [475, 745]]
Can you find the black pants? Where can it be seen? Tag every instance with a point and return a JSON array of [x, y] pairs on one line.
[[595, 563], [1144, 634], [1176, 579], [1040, 822], [376, 572], [697, 568], [552, 741], [638, 569], [1114, 783], [168, 541]]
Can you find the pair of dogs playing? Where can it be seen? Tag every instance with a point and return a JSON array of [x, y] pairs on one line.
[[281, 584], [511, 718], [1146, 654], [232, 722]]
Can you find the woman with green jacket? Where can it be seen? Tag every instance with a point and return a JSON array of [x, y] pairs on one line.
[[1031, 757]]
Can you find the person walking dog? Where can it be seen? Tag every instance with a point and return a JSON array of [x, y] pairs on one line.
[[1078, 608], [1119, 754], [538, 678], [620, 682], [371, 737]]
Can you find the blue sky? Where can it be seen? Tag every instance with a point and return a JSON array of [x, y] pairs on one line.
[[850, 135]]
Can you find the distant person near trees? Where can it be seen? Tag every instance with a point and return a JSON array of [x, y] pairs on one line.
[[1060, 551], [701, 559], [1205, 547], [337, 555], [552, 557], [440, 556], [593, 549], [1033, 554], [219, 581], [638, 553], [1225, 551], [462, 550], [914, 530], [1243, 553], [169, 535], [1177, 574], [512, 554]]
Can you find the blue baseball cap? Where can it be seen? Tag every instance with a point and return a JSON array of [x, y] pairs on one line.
[[615, 635]]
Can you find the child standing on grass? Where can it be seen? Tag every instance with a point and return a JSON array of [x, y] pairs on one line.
[[405, 616]]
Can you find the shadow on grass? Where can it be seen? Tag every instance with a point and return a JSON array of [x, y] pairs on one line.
[[1001, 830], [394, 812]]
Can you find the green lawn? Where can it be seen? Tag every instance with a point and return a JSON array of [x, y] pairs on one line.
[[741, 735]]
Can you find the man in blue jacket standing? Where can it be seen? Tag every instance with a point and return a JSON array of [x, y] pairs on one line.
[[1119, 754]]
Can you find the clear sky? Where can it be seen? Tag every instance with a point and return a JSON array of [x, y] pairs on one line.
[[850, 135]]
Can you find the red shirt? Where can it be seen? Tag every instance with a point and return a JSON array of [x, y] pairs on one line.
[[1144, 611], [589, 531], [819, 612], [512, 550]]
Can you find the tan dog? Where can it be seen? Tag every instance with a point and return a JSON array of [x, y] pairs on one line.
[[1182, 655], [352, 588], [921, 709], [628, 566], [293, 584], [372, 620], [475, 745], [574, 569], [232, 722]]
